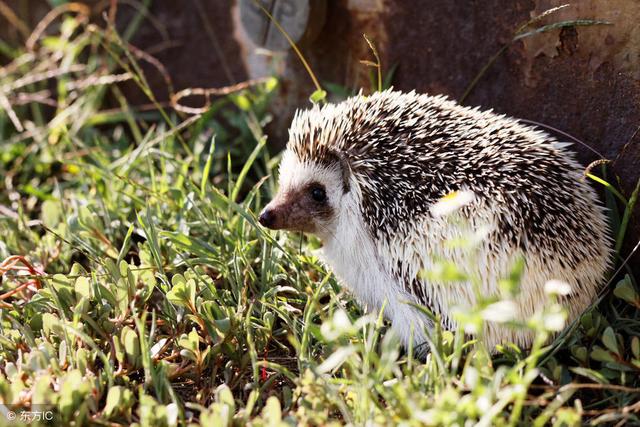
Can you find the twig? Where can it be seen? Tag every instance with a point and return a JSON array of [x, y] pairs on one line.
[[208, 92], [13, 19], [79, 8]]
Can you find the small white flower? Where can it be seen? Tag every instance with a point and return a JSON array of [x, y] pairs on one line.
[[336, 359], [452, 202], [557, 287], [341, 320], [471, 377], [337, 326], [483, 403], [390, 383], [471, 328], [554, 321], [172, 414], [500, 312]]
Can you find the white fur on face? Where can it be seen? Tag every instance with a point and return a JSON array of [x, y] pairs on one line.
[[295, 175]]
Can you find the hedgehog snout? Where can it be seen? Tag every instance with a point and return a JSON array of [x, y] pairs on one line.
[[271, 217], [267, 218], [303, 209], [276, 215]]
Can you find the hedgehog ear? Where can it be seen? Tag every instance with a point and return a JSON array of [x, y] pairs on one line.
[[345, 169]]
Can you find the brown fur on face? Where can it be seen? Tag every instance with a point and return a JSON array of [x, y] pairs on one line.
[[296, 210]]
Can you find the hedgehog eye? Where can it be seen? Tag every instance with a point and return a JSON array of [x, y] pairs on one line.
[[318, 194]]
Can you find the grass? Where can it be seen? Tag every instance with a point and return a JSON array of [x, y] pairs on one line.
[[138, 288]]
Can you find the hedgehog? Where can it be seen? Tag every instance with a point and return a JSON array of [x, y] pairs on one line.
[[364, 175]]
